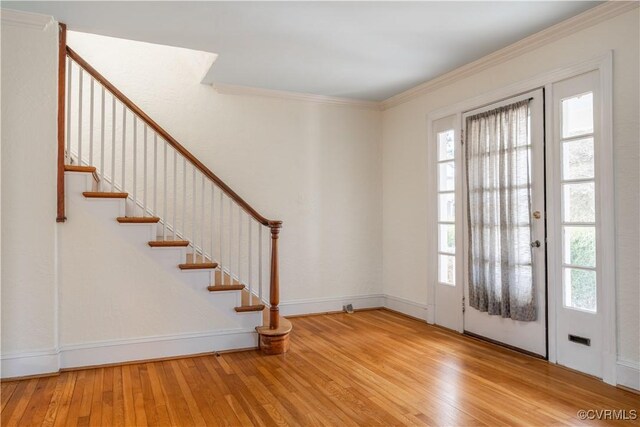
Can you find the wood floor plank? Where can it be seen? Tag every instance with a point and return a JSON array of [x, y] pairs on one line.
[[6, 391], [146, 394], [106, 414], [54, 403], [159, 397], [14, 409], [95, 416], [38, 404], [367, 368], [62, 412]]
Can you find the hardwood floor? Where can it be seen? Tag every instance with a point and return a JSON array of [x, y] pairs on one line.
[[367, 368]]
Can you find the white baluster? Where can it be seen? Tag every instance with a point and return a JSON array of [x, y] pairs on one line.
[[102, 126], [91, 123], [211, 222], [135, 163], [155, 178], [202, 222], [249, 281], [260, 232], [69, 91], [175, 192], [80, 72], [221, 241], [193, 217], [184, 198], [230, 240], [124, 143], [144, 170], [239, 270], [113, 143], [164, 198]]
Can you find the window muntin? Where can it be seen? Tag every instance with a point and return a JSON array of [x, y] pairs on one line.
[[578, 198], [446, 177]]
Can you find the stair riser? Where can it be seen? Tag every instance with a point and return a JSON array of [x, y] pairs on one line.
[[76, 183]]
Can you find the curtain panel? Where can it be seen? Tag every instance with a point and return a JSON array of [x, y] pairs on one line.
[[498, 174]]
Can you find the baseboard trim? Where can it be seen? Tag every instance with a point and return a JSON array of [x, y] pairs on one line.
[[28, 364], [330, 305], [20, 365], [628, 374], [410, 308], [109, 352]]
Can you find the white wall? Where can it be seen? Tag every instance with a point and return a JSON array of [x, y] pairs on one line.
[[406, 237], [28, 229], [316, 167]]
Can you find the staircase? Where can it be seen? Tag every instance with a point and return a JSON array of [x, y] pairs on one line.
[[110, 150]]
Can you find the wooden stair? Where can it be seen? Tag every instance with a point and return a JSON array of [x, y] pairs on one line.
[[104, 195], [77, 168], [198, 266], [246, 308], [218, 288], [168, 243], [138, 219]]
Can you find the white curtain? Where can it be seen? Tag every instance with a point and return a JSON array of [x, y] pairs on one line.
[[497, 155]]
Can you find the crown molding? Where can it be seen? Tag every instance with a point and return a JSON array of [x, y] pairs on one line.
[[569, 26], [16, 18], [227, 89]]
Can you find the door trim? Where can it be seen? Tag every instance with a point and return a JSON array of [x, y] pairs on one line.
[[604, 64]]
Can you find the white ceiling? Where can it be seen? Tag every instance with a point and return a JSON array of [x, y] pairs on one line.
[[362, 50]]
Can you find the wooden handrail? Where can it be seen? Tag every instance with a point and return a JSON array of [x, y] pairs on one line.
[[175, 144], [62, 93]]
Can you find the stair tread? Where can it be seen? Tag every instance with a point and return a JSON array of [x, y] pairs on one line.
[[168, 243], [77, 168], [137, 219], [198, 266], [105, 195], [244, 308], [216, 288]]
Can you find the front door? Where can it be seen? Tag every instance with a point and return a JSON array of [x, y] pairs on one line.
[[504, 223]]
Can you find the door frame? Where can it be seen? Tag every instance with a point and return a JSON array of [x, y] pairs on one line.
[[604, 64]]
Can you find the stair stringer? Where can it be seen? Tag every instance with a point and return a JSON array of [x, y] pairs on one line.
[[114, 288]]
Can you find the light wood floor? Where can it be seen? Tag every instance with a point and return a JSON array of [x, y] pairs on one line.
[[368, 368]]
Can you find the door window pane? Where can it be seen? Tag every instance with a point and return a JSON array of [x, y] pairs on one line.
[[446, 269], [446, 176], [447, 207], [580, 246], [577, 159], [577, 115], [579, 202], [445, 145], [447, 238], [580, 288]]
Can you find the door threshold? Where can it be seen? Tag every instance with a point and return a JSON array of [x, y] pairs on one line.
[[501, 344]]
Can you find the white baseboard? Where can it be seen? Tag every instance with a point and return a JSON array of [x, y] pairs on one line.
[[410, 308], [117, 351], [29, 363], [628, 374], [325, 305]]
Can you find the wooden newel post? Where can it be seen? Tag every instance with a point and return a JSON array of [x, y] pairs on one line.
[[274, 289]]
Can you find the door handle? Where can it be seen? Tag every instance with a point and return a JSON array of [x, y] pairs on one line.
[[536, 244]]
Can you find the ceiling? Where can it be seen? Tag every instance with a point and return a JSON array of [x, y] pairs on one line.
[[361, 50]]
